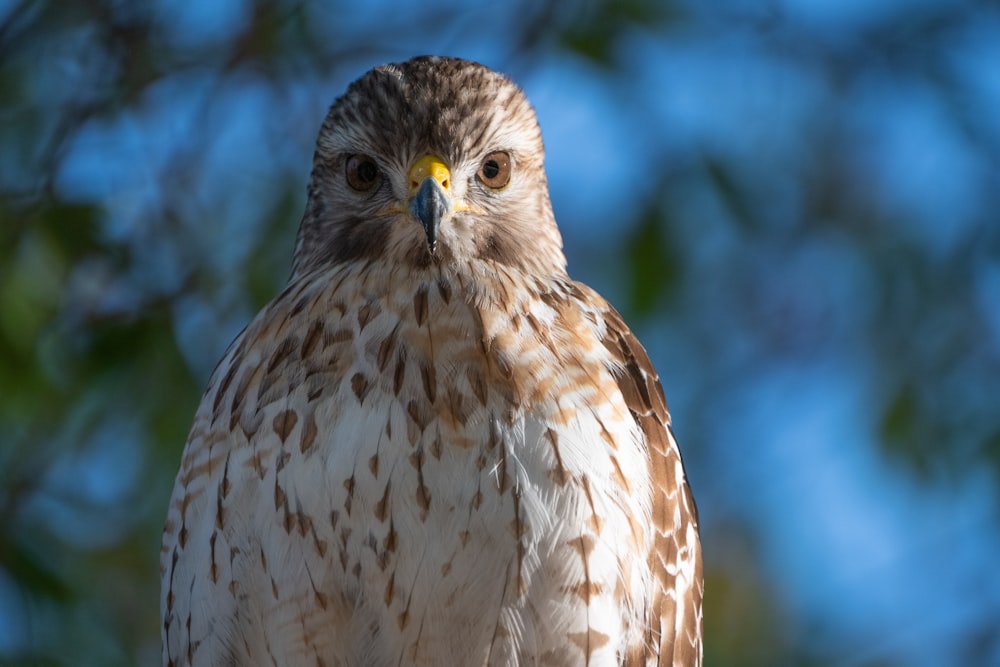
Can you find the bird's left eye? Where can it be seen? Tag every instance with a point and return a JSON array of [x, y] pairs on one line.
[[362, 173], [494, 170]]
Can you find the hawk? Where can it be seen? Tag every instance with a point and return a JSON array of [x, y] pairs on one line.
[[433, 447]]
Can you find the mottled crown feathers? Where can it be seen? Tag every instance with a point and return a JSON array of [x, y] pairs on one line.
[[458, 111]]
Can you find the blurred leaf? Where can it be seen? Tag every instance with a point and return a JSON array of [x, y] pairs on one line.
[[653, 264], [898, 422], [596, 27], [28, 569]]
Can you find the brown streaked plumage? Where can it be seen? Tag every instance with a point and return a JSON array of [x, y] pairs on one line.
[[433, 447]]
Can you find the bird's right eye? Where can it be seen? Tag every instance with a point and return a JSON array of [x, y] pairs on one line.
[[362, 173]]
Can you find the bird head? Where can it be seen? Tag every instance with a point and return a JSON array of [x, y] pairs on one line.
[[433, 162]]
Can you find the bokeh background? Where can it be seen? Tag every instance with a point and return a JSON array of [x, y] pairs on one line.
[[796, 203]]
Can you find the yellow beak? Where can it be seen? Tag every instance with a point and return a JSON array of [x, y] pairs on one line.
[[429, 186], [429, 166]]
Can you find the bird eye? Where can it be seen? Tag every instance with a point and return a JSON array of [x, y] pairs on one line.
[[362, 173], [494, 171]]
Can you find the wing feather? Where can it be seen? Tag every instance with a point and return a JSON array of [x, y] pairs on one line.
[[674, 624]]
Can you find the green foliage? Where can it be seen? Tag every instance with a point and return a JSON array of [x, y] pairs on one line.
[[653, 267], [595, 29]]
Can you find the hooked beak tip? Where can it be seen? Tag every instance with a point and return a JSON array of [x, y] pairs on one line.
[[429, 206]]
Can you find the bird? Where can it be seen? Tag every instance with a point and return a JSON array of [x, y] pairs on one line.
[[433, 447]]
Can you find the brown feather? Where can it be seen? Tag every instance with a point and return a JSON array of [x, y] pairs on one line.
[[640, 386]]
